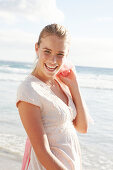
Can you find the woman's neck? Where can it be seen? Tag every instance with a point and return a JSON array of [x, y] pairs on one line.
[[42, 77]]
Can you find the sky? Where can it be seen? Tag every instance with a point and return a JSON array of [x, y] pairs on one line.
[[90, 24]]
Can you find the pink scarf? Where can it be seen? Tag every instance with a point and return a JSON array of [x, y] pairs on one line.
[[26, 158]]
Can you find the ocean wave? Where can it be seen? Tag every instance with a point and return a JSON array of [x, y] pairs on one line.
[[9, 70], [12, 144], [97, 82], [12, 77], [90, 81], [97, 78]]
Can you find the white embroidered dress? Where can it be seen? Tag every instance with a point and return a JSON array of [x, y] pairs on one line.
[[57, 121]]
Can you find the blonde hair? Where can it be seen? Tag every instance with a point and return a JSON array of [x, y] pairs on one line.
[[53, 29]]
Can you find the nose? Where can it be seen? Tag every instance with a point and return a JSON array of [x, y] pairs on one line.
[[53, 58]]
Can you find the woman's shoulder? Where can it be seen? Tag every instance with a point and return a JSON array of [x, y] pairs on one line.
[[30, 82], [32, 86], [30, 90]]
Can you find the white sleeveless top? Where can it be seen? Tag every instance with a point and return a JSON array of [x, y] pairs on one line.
[[57, 121]]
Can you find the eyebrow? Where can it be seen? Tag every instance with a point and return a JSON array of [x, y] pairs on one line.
[[61, 51], [46, 49], [51, 50]]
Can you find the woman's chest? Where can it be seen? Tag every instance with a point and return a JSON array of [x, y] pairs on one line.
[[59, 93], [55, 111], [57, 106]]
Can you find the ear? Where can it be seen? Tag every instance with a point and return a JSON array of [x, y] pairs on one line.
[[36, 47]]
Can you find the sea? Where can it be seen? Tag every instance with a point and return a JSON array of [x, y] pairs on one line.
[[96, 86]]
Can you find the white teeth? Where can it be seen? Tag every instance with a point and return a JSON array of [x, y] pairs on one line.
[[51, 68]]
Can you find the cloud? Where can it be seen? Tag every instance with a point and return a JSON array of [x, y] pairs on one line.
[[8, 17], [17, 45], [15, 36], [33, 10], [104, 19]]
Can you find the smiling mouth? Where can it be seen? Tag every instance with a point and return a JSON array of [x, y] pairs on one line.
[[50, 68]]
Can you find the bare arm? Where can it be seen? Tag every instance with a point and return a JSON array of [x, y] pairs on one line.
[[31, 118], [81, 120]]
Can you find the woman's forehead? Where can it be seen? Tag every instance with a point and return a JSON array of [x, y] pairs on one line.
[[53, 38], [53, 42], [59, 50]]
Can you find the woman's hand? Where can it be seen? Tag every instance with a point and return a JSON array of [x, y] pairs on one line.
[[70, 79]]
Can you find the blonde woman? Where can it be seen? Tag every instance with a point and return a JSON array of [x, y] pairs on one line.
[[51, 107]]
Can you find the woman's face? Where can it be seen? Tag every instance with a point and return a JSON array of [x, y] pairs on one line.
[[51, 54]]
